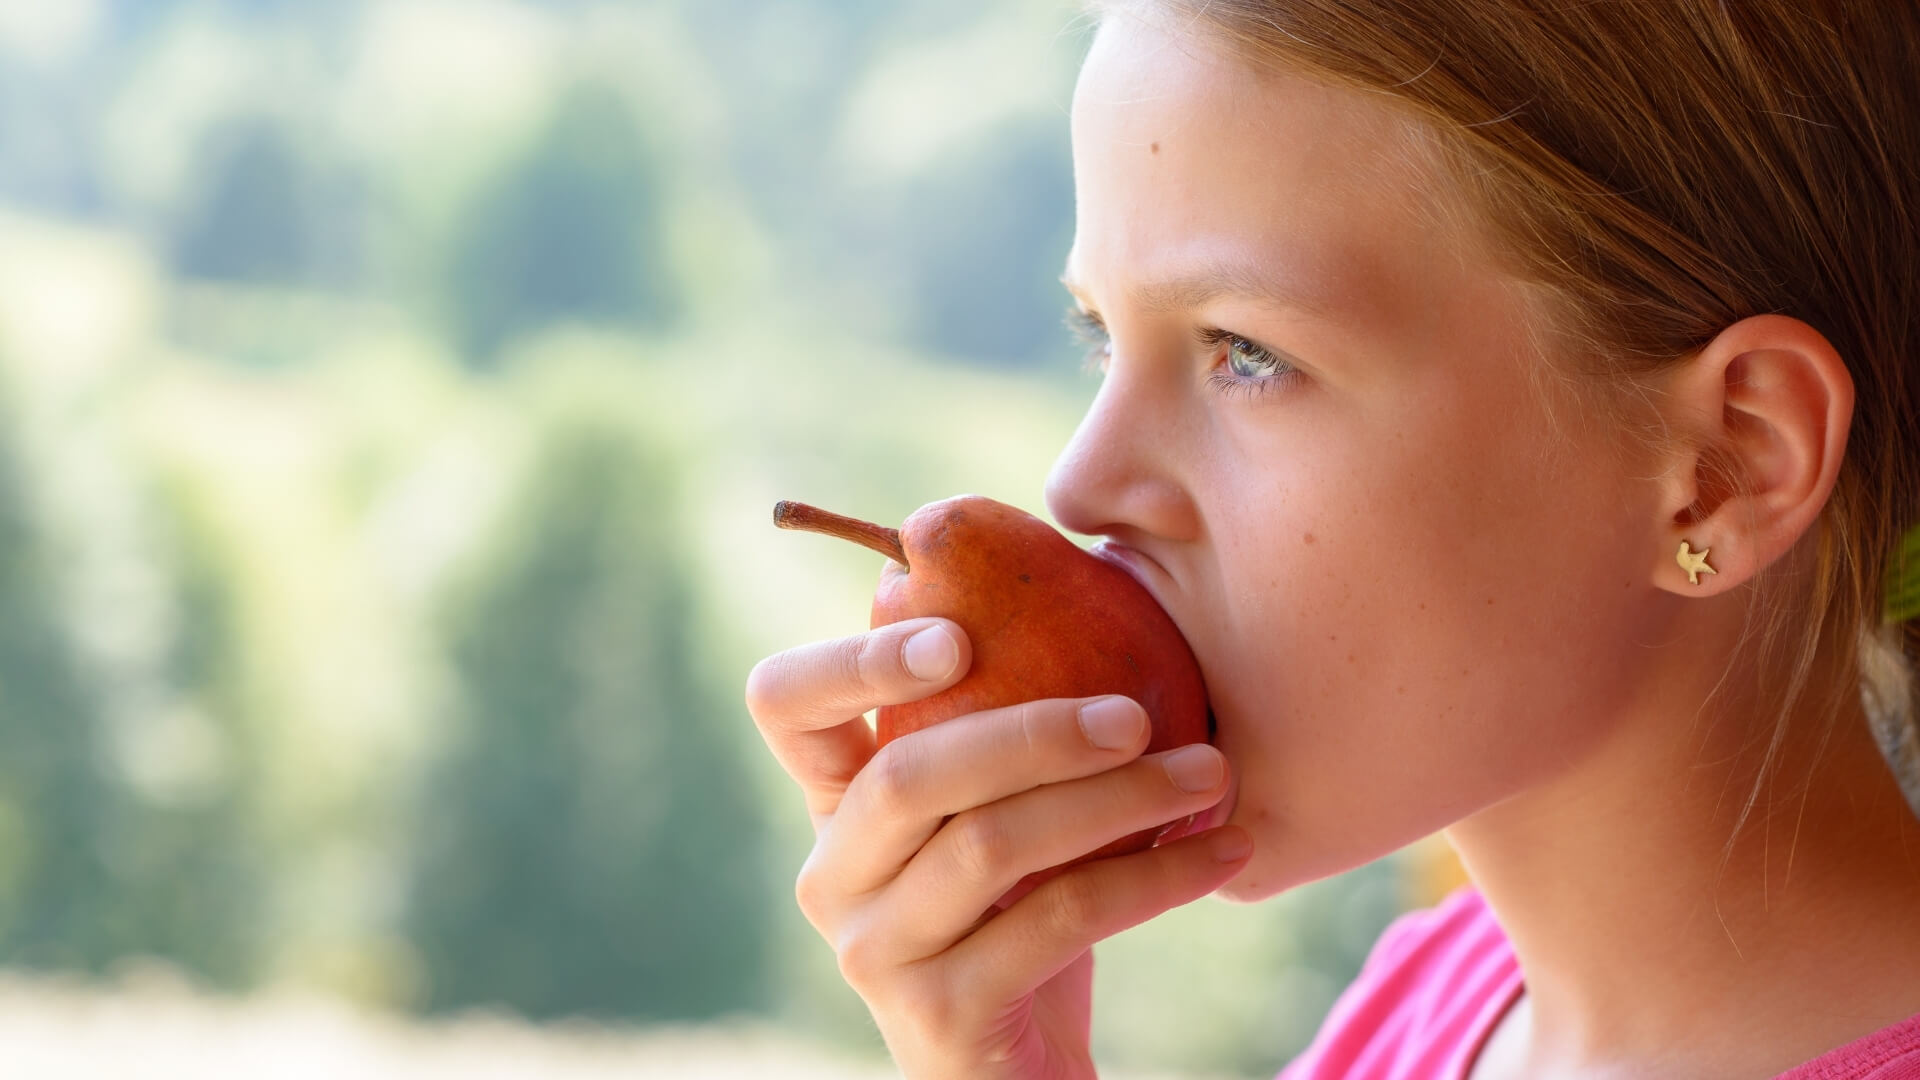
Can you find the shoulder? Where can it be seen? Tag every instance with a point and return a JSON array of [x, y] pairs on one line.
[[1432, 984], [1892, 1053]]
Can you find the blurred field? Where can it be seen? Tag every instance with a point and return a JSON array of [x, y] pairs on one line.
[[152, 1024]]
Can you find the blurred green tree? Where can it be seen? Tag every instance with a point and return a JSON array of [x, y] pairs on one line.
[[266, 214], [94, 865], [984, 230], [54, 798], [572, 231], [592, 842]]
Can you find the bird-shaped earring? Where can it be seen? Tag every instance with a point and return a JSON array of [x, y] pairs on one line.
[[1694, 562]]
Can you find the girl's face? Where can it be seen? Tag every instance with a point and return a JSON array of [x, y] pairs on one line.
[[1410, 598]]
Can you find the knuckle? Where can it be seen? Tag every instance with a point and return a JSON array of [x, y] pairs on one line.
[[874, 660], [979, 845], [859, 955], [810, 892], [1071, 904], [893, 778], [932, 1008], [1031, 722]]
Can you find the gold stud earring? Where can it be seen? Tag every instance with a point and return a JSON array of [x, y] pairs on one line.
[[1693, 562]]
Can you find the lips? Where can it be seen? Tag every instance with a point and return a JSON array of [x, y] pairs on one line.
[[1142, 568], [1134, 562]]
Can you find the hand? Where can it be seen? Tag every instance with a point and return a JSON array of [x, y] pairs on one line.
[[915, 842]]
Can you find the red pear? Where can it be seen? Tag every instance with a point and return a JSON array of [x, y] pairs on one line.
[[1045, 618]]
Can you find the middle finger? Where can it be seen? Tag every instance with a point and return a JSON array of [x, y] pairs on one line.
[[982, 853], [914, 783]]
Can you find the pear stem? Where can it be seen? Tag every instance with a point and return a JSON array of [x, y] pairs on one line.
[[798, 515]]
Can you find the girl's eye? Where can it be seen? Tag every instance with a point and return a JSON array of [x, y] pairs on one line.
[[1249, 368], [1091, 333]]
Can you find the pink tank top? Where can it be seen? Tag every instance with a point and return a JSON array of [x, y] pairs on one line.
[[1439, 979]]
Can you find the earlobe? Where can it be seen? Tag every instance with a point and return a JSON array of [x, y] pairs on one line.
[[1759, 420]]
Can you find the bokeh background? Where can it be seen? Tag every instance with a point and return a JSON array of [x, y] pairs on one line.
[[393, 394]]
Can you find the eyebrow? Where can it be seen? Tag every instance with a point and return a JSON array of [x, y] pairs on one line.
[[1215, 282]]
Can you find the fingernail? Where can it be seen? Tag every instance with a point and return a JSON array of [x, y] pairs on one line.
[[931, 654], [1195, 768], [1111, 723], [1229, 845]]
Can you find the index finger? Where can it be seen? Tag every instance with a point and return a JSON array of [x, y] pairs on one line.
[[809, 701]]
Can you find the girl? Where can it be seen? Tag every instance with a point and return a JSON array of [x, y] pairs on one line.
[[1513, 402]]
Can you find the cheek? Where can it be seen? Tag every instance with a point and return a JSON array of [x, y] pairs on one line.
[[1424, 623]]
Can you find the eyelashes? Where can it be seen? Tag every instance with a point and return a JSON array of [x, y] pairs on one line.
[[1271, 370], [1092, 334]]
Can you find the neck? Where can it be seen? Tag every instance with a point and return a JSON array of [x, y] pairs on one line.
[[1643, 938]]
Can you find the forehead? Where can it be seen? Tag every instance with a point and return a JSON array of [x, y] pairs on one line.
[[1186, 155]]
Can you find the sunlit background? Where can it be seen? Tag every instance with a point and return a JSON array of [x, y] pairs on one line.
[[393, 394]]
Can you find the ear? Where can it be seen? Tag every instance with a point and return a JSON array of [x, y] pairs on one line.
[[1767, 402]]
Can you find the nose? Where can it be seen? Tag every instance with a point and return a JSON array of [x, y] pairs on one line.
[[1120, 474]]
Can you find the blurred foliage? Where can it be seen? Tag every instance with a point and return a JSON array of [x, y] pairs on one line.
[[395, 393], [571, 232], [590, 844], [974, 250], [92, 870], [266, 215]]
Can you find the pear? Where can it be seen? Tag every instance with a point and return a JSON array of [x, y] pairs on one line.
[[1046, 620]]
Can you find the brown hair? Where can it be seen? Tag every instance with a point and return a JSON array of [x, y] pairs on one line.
[[1661, 171]]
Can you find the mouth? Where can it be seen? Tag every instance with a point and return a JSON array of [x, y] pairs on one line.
[[1134, 562], [1142, 568]]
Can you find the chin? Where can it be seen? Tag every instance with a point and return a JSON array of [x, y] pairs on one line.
[[1251, 885], [1279, 862], [1236, 891], [1257, 879]]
